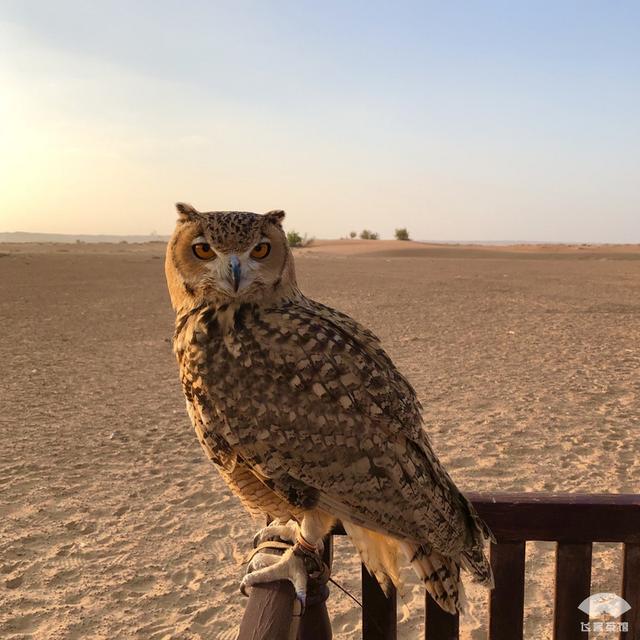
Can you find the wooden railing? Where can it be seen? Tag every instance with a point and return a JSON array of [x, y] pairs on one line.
[[573, 521]]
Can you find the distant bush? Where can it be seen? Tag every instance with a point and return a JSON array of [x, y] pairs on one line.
[[296, 240], [352, 234], [402, 234], [365, 234]]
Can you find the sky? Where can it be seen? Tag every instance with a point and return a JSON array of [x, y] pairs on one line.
[[458, 120]]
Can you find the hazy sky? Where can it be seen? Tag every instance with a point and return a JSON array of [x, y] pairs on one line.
[[459, 120]]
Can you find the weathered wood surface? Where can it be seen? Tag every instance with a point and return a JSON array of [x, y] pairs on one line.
[[562, 517], [379, 619], [269, 613], [573, 585], [315, 623], [439, 625], [506, 602], [631, 590]]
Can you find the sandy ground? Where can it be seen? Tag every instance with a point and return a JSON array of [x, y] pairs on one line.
[[112, 523]]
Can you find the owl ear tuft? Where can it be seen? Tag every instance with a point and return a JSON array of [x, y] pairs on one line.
[[276, 216], [185, 212]]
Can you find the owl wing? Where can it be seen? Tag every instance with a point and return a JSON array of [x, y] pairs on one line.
[[317, 410]]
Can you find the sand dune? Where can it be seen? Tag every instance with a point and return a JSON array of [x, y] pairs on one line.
[[396, 248], [113, 524]]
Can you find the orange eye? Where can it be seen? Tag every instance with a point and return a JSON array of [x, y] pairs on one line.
[[261, 250], [203, 251]]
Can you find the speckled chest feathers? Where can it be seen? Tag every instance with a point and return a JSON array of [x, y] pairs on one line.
[[262, 381]]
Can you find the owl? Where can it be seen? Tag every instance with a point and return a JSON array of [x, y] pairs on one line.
[[304, 414]]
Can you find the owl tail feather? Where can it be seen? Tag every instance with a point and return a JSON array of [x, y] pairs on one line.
[[476, 563], [473, 557], [379, 554], [382, 555], [440, 575]]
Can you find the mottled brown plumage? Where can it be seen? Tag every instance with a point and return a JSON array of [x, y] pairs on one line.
[[304, 413]]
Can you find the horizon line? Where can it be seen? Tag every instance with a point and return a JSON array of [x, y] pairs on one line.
[[157, 237]]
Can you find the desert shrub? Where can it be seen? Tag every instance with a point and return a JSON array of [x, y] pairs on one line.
[[365, 234], [402, 234], [296, 240], [352, 234]]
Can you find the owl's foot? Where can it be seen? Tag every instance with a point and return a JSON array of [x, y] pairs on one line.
[[282, 554], [277, 531]]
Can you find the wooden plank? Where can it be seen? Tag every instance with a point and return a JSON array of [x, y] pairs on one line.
[[439, 625], [561, 517], [568, 517], [631, 591], [506, 602], [379, 620], [315, 623], [269, 612], [573, 585]]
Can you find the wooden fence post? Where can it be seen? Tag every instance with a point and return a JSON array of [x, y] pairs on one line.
[[273, 613], [269, 614], [379, 620]]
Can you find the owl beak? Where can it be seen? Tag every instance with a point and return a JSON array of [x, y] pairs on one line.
[[236, 272]]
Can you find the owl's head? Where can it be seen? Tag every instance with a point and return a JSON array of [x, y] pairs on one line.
[[225, 256]]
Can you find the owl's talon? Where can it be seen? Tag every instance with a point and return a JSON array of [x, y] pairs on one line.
[[289, 566], [281, 553], [285, 532]]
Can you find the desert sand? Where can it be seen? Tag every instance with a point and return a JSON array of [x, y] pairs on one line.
[[114, 525]]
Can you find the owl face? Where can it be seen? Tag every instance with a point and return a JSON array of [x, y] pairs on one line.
[[225, 256]]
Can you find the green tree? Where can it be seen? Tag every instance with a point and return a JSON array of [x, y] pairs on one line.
[[402, 234]]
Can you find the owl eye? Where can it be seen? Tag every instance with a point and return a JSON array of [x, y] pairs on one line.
[[203, 251], [261, 250]]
